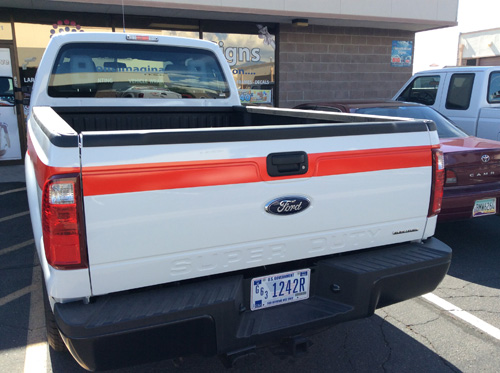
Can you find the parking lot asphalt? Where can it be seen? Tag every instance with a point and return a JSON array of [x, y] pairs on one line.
[[422, 334]]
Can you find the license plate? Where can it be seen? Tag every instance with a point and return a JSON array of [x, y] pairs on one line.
[[485, 207], [280, 288]]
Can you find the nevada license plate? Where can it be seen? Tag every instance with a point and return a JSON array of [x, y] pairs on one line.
[[485, 207], [280, 288]]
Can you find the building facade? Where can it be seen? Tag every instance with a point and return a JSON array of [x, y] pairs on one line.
[[282, 52], [479, 48]]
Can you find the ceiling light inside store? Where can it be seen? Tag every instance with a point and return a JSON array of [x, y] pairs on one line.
[[300, 22]]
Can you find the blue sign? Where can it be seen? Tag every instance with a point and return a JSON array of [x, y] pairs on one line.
[[402, 52]]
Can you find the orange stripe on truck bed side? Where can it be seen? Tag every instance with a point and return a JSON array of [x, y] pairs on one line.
[[44, 172], [104, 180]]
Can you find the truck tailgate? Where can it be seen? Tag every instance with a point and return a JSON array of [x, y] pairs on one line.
[[169, 205]]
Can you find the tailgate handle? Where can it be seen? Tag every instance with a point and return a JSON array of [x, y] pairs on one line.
[[285, 164]]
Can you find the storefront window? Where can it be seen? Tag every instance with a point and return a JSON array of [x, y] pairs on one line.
[[32, 39], [5, 31], [250, 52], [252, 61]]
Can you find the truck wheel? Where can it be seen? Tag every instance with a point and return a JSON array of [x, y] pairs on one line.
[[53, 337]]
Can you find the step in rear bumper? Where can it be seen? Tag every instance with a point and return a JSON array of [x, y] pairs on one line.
[[213, 316]]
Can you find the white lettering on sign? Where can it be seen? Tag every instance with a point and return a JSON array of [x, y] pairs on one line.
[[239, 54], [130, 69]]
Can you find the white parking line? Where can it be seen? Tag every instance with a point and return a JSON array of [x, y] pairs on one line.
[[36, 346], [12, 191], [464, 315], [10, 217], [15, 295], [16, 247]]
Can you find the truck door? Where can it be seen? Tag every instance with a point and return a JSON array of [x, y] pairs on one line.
[[460, 102], [424, 89], [488, 124]]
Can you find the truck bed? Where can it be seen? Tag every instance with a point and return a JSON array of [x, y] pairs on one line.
[[155, 118]]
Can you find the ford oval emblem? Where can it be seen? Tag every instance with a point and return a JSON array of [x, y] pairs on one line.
[[287, 205], [485, 158]]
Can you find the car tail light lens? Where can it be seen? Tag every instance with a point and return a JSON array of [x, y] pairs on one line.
[[451, 177], [62, 217], [438, 175]]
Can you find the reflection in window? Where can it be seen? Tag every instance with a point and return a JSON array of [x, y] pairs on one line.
[[32, 39], [422, 89], [494, 87], [107, 70], [252, 61], [6, 92], [460, 91]]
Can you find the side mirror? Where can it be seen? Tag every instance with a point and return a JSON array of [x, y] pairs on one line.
[[7, 97]]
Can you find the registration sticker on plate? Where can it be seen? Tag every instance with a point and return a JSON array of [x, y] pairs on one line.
[[485, 207], [280, 288]]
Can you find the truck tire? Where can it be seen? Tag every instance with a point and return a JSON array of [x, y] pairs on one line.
[[53, 336]]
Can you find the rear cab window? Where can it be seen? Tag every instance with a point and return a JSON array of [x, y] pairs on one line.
[[136, 71], [460, 91], [494, 88], [422, 89]]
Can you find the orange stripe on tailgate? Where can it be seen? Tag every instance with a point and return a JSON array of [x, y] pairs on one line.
[[144, 177], [372, 160], [175, 175]]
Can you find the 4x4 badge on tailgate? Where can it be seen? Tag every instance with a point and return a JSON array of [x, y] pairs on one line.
[[287, 205]]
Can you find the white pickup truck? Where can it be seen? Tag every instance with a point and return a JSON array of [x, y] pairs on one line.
[[469, 96], [191, 224]]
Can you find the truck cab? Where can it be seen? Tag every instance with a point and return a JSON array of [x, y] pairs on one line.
[[469, 96]]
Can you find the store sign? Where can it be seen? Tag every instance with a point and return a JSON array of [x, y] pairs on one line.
[[401, 55], [255, 96], [62, 27], [251, 58], [10, 147], [236, 55]]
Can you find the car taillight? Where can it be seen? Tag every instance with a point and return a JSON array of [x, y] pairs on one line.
[[451, 177], [62, 217], [438, 175]]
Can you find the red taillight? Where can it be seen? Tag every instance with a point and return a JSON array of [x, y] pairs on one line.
[[62, 214], [438, 175]]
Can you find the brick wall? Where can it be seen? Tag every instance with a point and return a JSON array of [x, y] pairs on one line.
[[321, 63]]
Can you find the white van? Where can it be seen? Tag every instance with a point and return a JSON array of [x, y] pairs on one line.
[[469, 96]]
